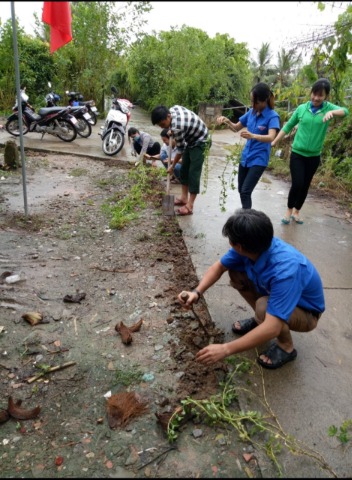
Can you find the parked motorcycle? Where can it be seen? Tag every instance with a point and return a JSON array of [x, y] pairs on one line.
[[83, 125], [55, 121], [114, 129], [76, 100]]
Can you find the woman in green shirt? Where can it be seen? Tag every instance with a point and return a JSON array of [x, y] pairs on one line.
[[312, 119]]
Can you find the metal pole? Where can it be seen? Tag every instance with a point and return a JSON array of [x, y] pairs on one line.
[[19, 103]]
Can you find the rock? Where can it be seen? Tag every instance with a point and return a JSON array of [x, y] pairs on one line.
[[11, 156]]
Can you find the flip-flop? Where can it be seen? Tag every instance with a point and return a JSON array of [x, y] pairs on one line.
[[278, 357], [297, 220], [184, 211], [245, 326], [179, 202], [285, 220]]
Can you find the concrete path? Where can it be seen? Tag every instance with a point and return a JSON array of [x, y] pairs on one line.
[[314, 392]]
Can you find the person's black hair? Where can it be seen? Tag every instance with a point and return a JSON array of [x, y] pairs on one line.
[[262, 93], [159, 114], [132, 131], [251, 229], [164, 133], [321, 86]]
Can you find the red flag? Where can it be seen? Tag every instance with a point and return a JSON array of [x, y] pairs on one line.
[[58, 16]]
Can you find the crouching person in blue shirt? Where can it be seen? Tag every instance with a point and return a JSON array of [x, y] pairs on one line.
[[281, 285]]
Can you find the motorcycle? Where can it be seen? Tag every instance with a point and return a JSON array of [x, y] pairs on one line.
[[83, 125], [54, 121], [76, 100], [114, 129]]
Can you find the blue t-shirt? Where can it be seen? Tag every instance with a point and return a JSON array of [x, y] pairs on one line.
[[315, 109], [285, 275], [255, 152]]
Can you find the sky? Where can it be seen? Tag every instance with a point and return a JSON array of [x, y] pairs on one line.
[[277, 23]]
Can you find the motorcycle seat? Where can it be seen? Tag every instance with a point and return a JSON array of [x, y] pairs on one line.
[[77, 109], [47, 110]]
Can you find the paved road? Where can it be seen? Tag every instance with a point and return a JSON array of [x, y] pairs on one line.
[[315, 391]]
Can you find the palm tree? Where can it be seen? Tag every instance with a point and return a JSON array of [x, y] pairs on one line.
[[261, 65], [287, 61]]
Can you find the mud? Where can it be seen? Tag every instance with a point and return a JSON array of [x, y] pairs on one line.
[[65, 249]]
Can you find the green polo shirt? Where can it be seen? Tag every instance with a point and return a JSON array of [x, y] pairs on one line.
[[311, 130]]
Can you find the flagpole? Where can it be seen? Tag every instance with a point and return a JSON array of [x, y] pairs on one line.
[[19, 103]]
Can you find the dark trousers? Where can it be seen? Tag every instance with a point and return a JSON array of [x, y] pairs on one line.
[[302, 171], [248, 177], [191, 167], [153, 150]]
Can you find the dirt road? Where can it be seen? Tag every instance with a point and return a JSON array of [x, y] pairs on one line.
[[84, 279]]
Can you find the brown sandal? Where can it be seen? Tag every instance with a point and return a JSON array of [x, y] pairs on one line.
[[179, 202], [184, 211]]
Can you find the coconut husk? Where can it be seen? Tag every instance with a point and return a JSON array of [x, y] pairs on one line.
[[33, 318], [16, 411], [125, 333], [136, 326], [122, 407]]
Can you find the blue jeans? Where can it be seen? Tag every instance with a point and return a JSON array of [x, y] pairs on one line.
[[176, 169], [248, 177]]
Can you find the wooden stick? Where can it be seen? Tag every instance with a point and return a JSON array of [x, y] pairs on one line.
[[184, 296], [50, 370], [75, 324]]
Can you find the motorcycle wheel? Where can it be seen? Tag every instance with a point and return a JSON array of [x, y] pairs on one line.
[[83, 127], [113, 141], [67, 131], [12, 126]]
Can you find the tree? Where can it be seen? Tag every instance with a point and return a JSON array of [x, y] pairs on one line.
[[262, 63], [187, 67], [35, 64], [287, 61], [332, 58], [101, 32]]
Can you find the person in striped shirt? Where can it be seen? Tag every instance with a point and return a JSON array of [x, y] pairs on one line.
[[191, 135]]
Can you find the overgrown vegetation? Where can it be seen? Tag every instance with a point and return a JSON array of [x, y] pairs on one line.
[[125, 205], [185, 66], [260, 429]]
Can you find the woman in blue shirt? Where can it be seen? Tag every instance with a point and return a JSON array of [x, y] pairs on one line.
[[262, 124]]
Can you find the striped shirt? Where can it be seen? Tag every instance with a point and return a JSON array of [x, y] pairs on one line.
[[188, 129]]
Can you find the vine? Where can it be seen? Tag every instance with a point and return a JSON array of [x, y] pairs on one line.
[[343, 433], [216, 411], [233, 159], [206, 160]]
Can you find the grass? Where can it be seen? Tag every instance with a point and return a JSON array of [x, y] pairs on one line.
[[78, 172], [128, 376], [141, 185]]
